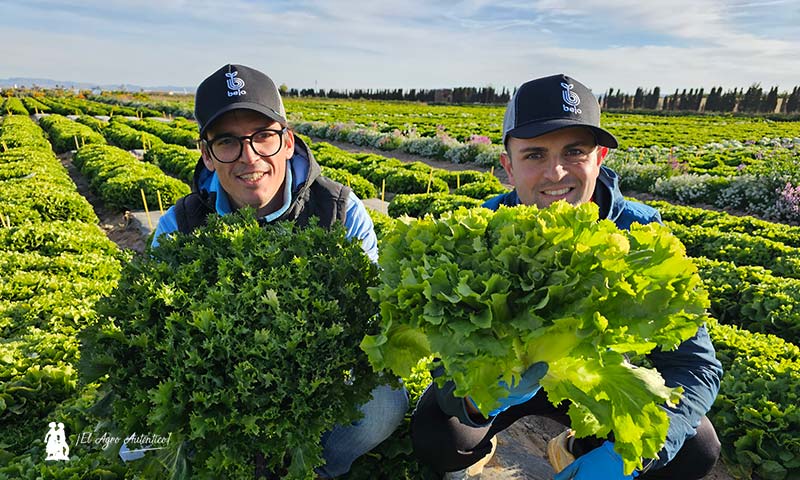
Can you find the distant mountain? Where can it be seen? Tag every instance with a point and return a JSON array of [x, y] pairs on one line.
[[48, 83]]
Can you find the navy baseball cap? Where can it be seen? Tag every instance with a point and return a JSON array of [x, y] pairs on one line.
[[233, 87], [547, 104]]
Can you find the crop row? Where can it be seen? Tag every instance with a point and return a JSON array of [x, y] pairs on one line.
[[66, 135], [756, 414], [125, 133], [179, 107], [405, 177], [167, 133], [175, 160], [56, 263], [114, 175], [35, 187], [765, 181], [72, 105], [117, 177], [463, 122], [752, 298], [12, 106], [725, 223], [739, 248]]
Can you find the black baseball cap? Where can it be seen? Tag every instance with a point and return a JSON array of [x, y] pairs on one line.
[[237, 86], [551, 103]]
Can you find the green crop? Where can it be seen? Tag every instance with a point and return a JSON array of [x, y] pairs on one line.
[[239, 340], [490, 293]]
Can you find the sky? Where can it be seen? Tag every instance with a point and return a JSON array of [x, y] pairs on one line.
[[338, 44]]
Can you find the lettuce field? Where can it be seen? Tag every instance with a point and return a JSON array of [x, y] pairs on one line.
[[728, 187]]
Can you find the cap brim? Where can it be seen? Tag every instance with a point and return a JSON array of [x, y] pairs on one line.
[[536, 129], [246, 106]]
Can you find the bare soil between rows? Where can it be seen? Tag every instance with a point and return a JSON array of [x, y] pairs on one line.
[[119, 227]]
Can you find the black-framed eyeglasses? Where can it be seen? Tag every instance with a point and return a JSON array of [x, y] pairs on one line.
[[228, 148]]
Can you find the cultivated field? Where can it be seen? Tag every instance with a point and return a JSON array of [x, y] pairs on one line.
[[728, 187]]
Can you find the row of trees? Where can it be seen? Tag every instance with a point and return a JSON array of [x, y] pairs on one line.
[[752, 100], [443, 95]]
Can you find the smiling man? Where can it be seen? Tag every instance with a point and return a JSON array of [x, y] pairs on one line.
[[554, 151], [250, 157]]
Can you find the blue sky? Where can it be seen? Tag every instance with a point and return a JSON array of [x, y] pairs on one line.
[[411, 44]]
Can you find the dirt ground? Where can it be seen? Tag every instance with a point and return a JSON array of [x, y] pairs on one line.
[[118, 226], [521, 453]]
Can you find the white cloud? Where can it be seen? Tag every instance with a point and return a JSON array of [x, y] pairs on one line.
[[416, 44]]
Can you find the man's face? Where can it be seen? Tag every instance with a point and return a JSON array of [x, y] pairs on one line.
[[251, 180], [560, 165]]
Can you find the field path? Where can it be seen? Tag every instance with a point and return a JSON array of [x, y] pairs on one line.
[[119, 227]]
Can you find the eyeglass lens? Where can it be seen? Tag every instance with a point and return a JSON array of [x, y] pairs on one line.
[[265, 143]]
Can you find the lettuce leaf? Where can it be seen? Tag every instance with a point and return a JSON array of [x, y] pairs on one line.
[[490, 293]]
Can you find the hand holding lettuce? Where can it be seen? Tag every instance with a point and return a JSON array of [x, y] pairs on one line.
[[492, 293]]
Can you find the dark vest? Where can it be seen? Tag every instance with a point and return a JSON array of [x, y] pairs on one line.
[[324, 199]]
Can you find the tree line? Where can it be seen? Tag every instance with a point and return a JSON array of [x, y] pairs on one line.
[[487, 95], [752, 100]]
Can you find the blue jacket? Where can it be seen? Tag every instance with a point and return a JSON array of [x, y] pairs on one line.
[[357, 221], [693, 365]]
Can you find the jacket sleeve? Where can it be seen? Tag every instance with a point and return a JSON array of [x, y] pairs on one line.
[[359, 225], [166, 224], [694, 366]]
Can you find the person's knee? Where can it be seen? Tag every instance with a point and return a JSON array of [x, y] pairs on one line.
[[382, 415], [707, 455], [443, 442], [429, 435], [385, 411], [700, 453]]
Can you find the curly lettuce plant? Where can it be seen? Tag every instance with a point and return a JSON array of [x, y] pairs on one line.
[[490, 293], [239, 341]]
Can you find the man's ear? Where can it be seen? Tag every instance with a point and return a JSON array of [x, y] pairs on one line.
[[289, 143], [505, 161], [207, 160], [601, 154]]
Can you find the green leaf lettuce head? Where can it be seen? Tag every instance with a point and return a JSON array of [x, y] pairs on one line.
[[490, 293], [238, 339]]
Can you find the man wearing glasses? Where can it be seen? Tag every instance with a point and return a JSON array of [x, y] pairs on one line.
[[251, 158]]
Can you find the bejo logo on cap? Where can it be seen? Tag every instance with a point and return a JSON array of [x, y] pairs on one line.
[[571, 99], [235, 84]]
